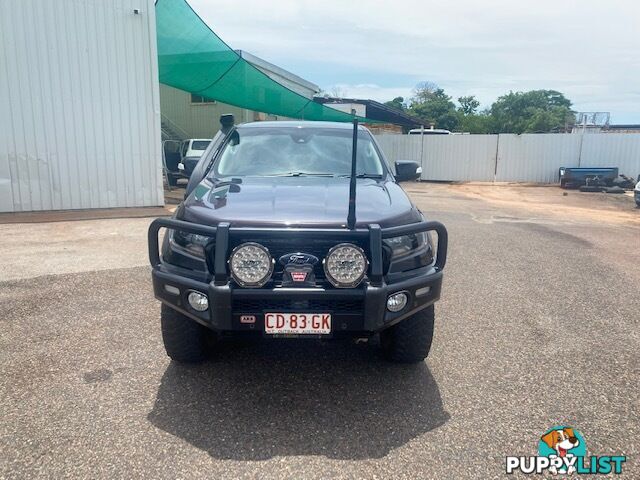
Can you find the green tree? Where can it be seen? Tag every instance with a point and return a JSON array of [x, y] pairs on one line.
[[468, 105], [475, 122], [423, 91], [433, 105], [532, 111], [398, 103]]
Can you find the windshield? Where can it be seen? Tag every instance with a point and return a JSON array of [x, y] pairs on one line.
[[282, 151], [200, 144]]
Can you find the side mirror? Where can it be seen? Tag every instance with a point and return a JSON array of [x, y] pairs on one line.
[[407, 170]]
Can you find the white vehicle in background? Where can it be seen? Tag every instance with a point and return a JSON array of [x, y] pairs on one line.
[[190, 152], [180, 157], [429, 131], [636, 192]]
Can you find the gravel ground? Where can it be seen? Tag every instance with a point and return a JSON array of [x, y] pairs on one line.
[[538, 326]]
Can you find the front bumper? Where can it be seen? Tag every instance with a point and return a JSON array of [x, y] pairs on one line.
[[357, 310]]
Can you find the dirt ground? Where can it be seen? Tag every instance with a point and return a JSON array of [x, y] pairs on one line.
[[597, 217], [547, 200]]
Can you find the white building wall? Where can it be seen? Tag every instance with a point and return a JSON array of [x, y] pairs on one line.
[[80, 121]]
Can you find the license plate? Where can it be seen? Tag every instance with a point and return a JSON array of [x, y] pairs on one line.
[[297, 323]]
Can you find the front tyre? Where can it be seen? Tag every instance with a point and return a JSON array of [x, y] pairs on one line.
[[185, 341], [410, 340]]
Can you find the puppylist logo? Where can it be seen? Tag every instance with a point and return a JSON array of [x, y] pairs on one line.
[[563, 450]]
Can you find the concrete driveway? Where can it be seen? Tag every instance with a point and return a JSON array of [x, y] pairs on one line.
[[538, 326]]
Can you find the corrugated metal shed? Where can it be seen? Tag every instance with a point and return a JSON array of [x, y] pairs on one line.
[[196, 120], [80, 122]]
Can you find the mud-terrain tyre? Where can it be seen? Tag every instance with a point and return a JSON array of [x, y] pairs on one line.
[[410, 340], [185, 341]]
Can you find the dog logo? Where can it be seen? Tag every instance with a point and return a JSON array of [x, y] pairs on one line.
[[562, 442], [562, 450]]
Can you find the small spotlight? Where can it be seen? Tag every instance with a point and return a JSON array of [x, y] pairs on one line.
[[198, 301], [397, 302]]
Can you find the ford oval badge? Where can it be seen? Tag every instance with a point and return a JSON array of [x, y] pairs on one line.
[[298, 259]]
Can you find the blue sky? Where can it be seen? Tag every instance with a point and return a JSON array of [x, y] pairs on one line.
[[381, 49]]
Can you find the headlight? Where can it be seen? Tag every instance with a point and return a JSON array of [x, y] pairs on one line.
[[345, 265], [251, 265], [189, 243], [407, 243]]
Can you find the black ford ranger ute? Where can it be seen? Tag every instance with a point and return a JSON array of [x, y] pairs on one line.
[[297, 229]]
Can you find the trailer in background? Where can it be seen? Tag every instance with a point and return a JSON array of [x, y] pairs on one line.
[[571, 177]]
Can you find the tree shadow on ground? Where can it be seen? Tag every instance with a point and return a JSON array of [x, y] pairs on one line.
[[267, 399]]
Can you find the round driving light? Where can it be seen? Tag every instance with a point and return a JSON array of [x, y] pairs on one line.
[[198, 301], [397, 302], [345, 265], [251, 265]]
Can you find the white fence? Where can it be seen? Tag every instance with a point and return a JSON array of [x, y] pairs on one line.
[[513, 158]]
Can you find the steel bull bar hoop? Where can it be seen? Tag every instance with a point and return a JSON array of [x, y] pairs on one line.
[[223, 231], [173, 224], [443, 237]]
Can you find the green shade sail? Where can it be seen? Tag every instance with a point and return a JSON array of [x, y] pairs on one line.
[[193, 58]]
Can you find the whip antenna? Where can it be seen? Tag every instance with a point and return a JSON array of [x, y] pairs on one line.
[[351, 217]]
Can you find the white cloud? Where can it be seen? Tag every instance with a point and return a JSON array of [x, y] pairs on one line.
[[586, 49]]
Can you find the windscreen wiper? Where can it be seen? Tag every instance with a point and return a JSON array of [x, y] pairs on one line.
[[364, 175], [302, 174]]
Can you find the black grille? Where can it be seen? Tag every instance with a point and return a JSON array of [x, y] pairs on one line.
[[245, 305]]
